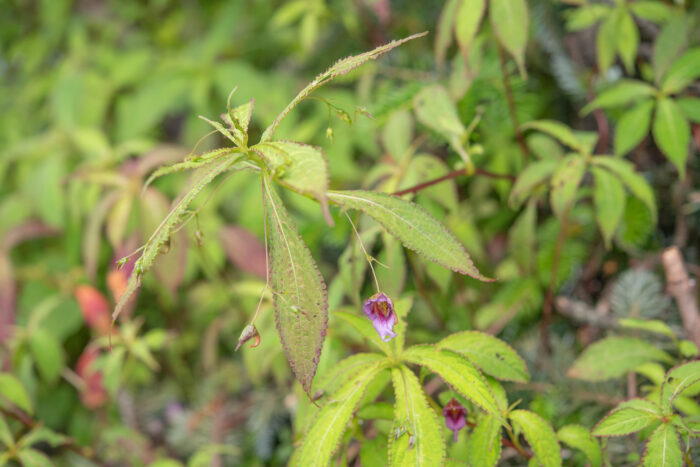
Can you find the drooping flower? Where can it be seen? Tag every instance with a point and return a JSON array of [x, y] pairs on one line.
[[380, 309], [455, 416]]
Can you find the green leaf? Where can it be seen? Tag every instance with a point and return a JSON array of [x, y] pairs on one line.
[[534, 174], [650, 10], [609, 198], [649, 325], [627, 40], [47, 353], [670, 43], [299, 167], [664, 448], [565, 181], [559, 131], [628, 417], [540, 435], [397, 134], [42, 434], [632, 127], [11, 390], [690, 107], [580, 437], [585, 16], [435, 109], [118, 218], [613, 357], [190, 163], [300, 301], [238, 120], [688, 348], [677, 380], [606, 41], [625, 91], [34, 458], [341, 67], [458, 372], [413, 226], [160, 238], [634, 182], [445, 25], [6, 437], [683, 72], [490, 354], [521, 238], [467, 22], [364, 326], [325, 433], [484, 444], [672, 133], [345, 370], [510, 20], [416, 436]]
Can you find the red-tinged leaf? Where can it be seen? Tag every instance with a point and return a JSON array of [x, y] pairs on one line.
[[93, 394], [300, 303], [94, 307], [244, 250]]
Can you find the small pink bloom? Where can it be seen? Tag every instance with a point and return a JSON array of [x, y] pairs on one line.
[[380, 309], [455, 416]]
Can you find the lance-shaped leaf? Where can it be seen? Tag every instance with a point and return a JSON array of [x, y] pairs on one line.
[[671, 132], [540, 435], [469, 16], [558, 130], [12, 391], [416, 436], [190, 163], [238, 119], [458, 372], [341, 67], [445, 26], [628, 417], [580, 437], [633, 126], [160, 238], [565, 181], [484, 445], [664, 448], [435, 109], [677, 380], [634, 182], [511, 23], [683, 72], [325, 433], [609, 197], [613, 357], [490, 354], [300, 303], [344, 370], [299, 167], [534, 174], [625, 91], [413, 226], [364, 327]]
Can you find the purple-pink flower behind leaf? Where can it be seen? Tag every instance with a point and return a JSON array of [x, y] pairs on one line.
[[455, 416]]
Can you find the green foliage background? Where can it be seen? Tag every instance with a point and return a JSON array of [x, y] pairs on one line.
[[95, 95]]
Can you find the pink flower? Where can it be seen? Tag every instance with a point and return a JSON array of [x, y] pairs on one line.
[[455, 416], [380, 309]]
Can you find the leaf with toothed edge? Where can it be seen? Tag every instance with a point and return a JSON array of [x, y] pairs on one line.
[[159, 239], [300, 167], [413, 226], [238, 119], [341, 67], [540, 435], [190, 163], [416, 437], [300, 300], [628, 417], [325, 433], [677, 380], [664, 448]]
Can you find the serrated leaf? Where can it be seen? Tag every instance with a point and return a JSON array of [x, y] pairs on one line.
[[609, 198], [299, 167], [364, 326], [457, 371], [445, 26], [558, 130], [690, 107], [540, 435], [534, 174], [672, 133], [469, 15], [325, 433], [677, 380], [628, 417], [341, 67], [632, 127], [580, 437], [490, 354], [416, 436], [239, 119], [683, 72], [161, 236], [613, 357], [625, 91], [634, 182], [47, 353], [413, 226], [434, 108], [664, 448], [627, 40], [223, 131], [11, 390], [300, 301], [484, 445], [344, 370], [190, 163], [510, 20], [649, 325], [565, 182]]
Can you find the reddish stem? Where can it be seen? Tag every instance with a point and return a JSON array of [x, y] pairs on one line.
[[449, 176]]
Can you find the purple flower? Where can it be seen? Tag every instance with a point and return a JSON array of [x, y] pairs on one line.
[[380, 309], [455, 416]]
